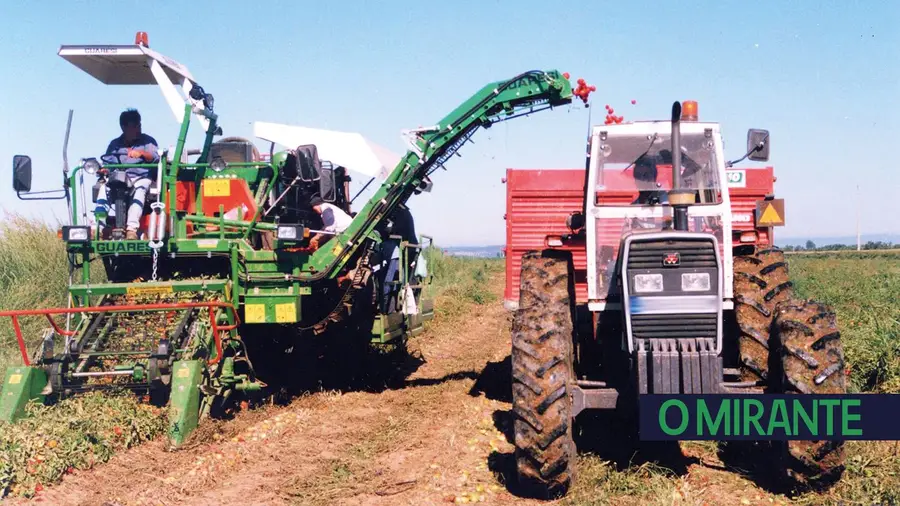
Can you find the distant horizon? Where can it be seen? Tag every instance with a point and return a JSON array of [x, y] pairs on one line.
[[820, 241]]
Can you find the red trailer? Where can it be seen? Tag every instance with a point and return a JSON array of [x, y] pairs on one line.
[[538, 201]]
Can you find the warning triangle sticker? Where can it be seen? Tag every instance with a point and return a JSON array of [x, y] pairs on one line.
[[769, 216]]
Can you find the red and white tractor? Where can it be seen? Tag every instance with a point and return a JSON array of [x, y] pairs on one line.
[[631, 278]]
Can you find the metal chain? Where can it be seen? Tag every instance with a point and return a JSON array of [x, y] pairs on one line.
[[155, 262], [158, 206]]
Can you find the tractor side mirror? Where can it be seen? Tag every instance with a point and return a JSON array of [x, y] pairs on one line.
[[22, 173], [327, 182], [758, 145]]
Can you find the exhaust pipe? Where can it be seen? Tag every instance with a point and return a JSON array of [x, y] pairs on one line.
[[679, 197]]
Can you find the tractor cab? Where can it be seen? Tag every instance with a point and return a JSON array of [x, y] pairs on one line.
[[634, 191]]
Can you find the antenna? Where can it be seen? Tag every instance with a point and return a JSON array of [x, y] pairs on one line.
[[69, 300], [66, 144], [858, 205], [66, 162]]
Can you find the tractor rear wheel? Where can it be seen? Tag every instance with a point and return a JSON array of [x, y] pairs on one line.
[[542, 374], [812, 362], [760, 283]]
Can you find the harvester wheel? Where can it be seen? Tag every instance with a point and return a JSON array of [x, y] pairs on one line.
[[812, 362], [542, 374], [760, 283]]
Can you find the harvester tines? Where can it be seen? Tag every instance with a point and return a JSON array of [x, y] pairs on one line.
[[360, 277]]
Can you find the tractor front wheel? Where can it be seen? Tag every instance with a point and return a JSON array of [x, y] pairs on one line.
[[542, 374], [760, 283], [812, 362]]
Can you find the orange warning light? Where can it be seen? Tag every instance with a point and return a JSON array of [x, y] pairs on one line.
[[689, 110], [141, 39]]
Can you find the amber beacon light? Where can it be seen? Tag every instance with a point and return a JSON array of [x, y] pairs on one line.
[[689, 110]]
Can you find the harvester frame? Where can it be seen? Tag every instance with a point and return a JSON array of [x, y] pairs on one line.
[[207, 240]]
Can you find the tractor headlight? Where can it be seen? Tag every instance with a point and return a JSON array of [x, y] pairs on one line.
[[695, 282], [290, 232], [76, 234], [648, 283], [217, 164], [91, 166]]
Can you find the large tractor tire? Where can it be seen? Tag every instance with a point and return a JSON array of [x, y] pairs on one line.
[[542, 375], [760, 282], [811, 362]]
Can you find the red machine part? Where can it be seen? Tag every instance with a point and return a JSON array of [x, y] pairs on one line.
[[186, 196], [49, 313], [232, 195], [185, 201]]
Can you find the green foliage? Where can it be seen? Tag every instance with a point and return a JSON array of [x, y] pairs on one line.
[[461, 281], [33, 274], [599, 482], [867, 246], [864, 290], [76, 433], [34, 265]]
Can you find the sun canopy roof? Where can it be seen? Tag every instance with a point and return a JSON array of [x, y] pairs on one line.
[[128, 64], [137, 64], [349, 149]]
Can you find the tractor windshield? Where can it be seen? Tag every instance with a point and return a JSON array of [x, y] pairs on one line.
[[636, 170]]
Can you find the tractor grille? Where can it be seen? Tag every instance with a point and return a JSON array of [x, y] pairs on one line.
[[693, 254], [674, 326]]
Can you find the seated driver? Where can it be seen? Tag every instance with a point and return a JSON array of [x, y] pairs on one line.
[[334, 219], [645, 179], [133, 147]]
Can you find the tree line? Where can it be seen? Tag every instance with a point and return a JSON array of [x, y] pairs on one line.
[[869, 245]]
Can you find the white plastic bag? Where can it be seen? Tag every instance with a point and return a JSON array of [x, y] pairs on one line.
[[409, 302], [421, 267]]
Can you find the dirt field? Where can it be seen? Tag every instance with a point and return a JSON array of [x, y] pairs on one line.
[[442, 437]]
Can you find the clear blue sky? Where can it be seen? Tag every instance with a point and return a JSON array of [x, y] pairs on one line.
[[823, 77]]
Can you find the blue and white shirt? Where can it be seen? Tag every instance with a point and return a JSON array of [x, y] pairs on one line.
[[144, 142]]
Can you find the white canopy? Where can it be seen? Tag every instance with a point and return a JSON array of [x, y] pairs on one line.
[[123, 64], [137, 64], [348, 149]]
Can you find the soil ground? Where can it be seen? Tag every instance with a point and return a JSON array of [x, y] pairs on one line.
[[441, 436]]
